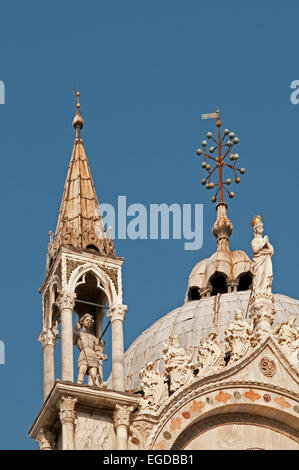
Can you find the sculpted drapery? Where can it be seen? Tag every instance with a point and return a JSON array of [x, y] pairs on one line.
[[262, 259]]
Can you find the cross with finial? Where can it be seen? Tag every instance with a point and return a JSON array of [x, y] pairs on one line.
[[224, 150]]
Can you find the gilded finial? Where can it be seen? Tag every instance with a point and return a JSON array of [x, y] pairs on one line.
[[77, 95], [78, 122], [256, 219]]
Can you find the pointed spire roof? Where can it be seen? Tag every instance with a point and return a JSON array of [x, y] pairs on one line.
[[80, 223]]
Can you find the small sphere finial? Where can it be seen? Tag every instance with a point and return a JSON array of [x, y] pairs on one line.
[[77, 94]]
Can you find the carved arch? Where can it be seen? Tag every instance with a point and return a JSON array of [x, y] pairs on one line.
[[104, 281], [214, 400]]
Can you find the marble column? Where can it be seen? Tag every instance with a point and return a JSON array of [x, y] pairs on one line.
[[66, 302], [121, 424], [45, 439], [67, 417], [116, 314], [48, 339]]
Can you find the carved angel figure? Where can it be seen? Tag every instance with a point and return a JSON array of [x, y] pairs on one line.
[[239, 335], [261, 260], [210, 355], [178, 364], [288, 338], [91, 351], [154, 388]]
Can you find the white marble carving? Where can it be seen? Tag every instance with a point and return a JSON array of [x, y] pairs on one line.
[[154, 388], [262, 258], [288, 339], [210, 355], [91, 352], [239, 336], [178, 364]]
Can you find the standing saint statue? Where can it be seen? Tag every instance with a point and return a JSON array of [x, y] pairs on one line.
[[239, 336], [261, 261], [91, 352], [178, 365]]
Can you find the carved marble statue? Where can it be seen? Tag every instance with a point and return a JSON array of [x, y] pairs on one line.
[[288, 338], [91, 352], [154, 387], [178, 365], [210, 356], [239, 335], [261, 261]]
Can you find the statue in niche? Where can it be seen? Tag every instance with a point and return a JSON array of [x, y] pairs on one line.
[[178, 364], [239, 336], [210, 355], [154, 388], [91, 352], [262, 258], [288, 338]]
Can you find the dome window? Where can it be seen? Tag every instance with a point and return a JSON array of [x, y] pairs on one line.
[[218, 284], [193, 293], [244, 281]]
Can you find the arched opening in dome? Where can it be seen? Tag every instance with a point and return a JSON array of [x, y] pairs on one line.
[[244, 281], [218, 283], [92, 248], [193, 293]]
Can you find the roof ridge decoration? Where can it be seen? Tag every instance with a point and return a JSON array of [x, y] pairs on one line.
[[80, 223]]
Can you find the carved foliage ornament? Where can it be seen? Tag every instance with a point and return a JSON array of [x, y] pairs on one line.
[[117, 312], [45, 439], [122, 415], [154, 388], [66, 300], [71, 264], [48, 336], [67, 409]]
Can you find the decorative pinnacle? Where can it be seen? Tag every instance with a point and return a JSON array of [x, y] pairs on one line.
[[78, 122], [224, 149]]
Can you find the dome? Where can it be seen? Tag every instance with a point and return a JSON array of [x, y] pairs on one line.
[[233, 266], [191, 322]]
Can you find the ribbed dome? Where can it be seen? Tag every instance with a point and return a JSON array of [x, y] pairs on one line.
[[230, 263], [191, 322]]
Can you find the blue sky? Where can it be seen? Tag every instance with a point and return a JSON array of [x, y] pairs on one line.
[[146, 71]]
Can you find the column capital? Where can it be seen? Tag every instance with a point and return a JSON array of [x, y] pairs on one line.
[[48, 337], [66, 299], [45, 439], [67, 412], [117, 312], [121, 415]]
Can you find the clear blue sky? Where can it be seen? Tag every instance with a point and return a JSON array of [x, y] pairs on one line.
[[146, 71]]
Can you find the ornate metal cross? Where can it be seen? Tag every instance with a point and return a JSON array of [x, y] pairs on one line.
[[224, 150]]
